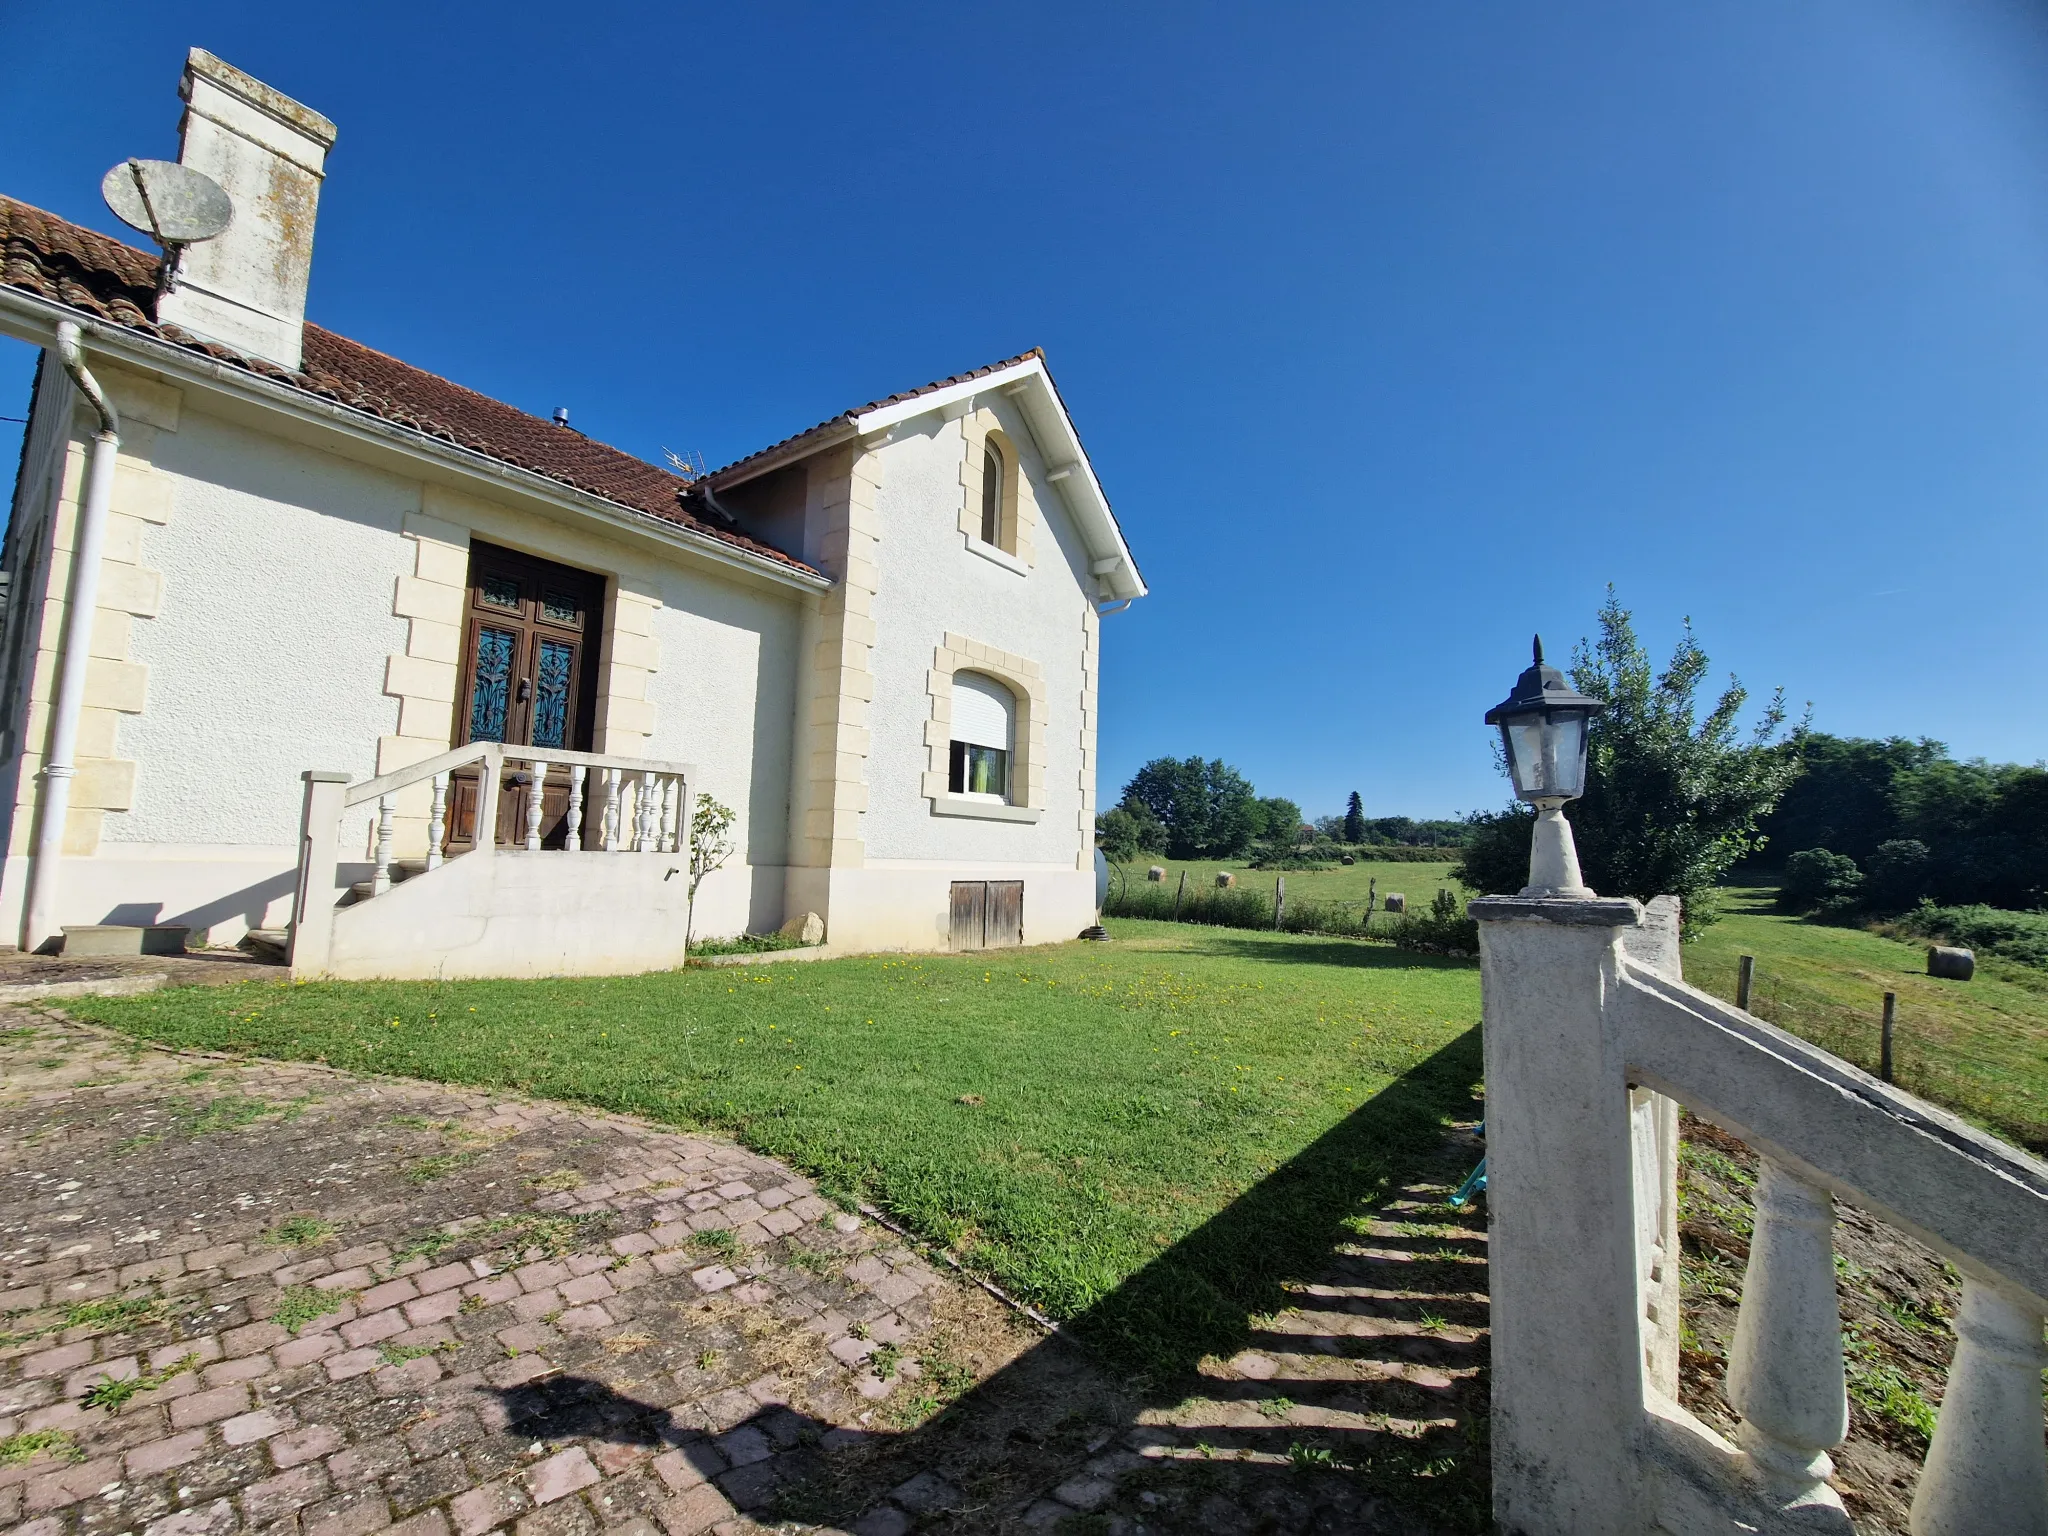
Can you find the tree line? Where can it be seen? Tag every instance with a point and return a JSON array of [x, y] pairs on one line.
[[1881, 826], [1191, 808]]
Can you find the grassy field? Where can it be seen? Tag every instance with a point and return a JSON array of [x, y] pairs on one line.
[[1980, 1047], [1418, 882], [1063, 1119]]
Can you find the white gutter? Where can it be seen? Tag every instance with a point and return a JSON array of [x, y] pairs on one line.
[[60, 759], [132, 347]]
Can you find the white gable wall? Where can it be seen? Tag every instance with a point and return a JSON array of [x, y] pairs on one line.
[[930, 586]]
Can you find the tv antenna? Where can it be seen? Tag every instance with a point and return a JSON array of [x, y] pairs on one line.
[[688, 467], [173, 204]]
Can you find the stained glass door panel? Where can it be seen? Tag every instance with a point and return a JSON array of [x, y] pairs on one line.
[[528, 676]]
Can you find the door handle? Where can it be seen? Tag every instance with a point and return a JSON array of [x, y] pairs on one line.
[[525, 689]]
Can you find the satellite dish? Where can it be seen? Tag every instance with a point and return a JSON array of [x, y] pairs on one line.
[[173, 204]]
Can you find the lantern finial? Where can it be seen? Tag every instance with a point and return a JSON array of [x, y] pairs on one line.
[[1539, 650]]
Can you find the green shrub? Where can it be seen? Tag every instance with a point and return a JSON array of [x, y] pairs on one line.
[[745, 944], [1444, 928], [1819, 881], [2021, 936]]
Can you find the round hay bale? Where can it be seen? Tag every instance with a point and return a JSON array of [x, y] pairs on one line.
[[1396, 902], [1225, 880], [1156, 873], [1950, 963], [1347, 861]]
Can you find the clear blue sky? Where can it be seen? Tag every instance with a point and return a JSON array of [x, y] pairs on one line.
[[1395, 332]]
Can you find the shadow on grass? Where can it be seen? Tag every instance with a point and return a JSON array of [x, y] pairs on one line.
[[1305, 1359], [1319, 949]]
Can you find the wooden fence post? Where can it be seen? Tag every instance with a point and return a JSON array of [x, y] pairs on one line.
[[1744, 976], [1179, 891], [1279, 899], [1884, 1046]]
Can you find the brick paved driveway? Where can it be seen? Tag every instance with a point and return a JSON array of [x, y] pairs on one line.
[[246, 1296], [252, 1296]]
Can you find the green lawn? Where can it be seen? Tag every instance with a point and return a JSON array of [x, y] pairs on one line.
[[1418, 882], [1143, 1136], [1980, 1047]]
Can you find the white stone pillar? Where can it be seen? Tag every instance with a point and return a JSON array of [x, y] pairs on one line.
[[1987, 1471], [312, 935], [1568, 1421]]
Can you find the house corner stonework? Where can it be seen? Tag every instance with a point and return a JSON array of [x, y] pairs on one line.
[[115, 684], [847, 489]]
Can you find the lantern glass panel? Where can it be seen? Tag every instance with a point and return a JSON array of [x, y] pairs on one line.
[[1547, 753]]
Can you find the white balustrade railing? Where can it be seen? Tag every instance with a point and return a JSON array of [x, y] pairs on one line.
[[613, 804], [1592, 1039]]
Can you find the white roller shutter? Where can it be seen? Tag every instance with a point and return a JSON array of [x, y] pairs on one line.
[[982, 710]]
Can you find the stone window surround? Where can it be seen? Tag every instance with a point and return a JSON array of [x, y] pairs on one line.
[[979, 428], [1026, 681]]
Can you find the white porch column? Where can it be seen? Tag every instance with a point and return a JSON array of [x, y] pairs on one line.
[[1566, 1306]]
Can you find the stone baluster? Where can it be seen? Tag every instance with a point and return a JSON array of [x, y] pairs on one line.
[[1987, 1473], [437, 821], [1785, 1365], [534, 794], [380, 874], [572, 822], [646, 811], [671, 813], [613, 811]]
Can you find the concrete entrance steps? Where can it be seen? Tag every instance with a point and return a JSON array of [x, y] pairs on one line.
[[402, 870]]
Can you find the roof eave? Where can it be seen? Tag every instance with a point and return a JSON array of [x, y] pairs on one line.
[[33, 319]]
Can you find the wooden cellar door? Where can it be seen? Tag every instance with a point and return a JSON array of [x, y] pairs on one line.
[[987, 914], [1005, 914], [970, 901], [531, 634]]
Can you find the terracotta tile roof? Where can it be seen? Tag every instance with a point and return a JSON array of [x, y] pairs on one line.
[[57, 260], [830, 422]]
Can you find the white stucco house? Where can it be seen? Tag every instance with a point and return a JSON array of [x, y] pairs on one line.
[[350, 623]]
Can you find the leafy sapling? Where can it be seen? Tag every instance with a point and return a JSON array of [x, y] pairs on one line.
[[710, 846]]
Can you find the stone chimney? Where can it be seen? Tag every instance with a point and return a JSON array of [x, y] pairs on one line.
[[247, 288]]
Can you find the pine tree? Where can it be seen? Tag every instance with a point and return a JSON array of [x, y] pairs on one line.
[[1354, 820]]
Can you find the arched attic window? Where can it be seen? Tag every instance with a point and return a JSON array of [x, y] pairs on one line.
[[984, 735], [991, 494]]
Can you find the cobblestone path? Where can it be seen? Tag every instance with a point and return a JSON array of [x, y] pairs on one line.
[[250, 1296]]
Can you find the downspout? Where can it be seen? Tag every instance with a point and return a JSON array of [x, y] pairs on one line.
[[60, 760]]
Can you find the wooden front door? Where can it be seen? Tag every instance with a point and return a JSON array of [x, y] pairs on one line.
[[530, 642], [987, 914]]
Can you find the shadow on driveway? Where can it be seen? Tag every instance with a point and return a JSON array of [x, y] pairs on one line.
[[1311, 1358]]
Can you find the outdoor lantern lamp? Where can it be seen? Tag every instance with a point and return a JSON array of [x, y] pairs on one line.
[[1543, 727]]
